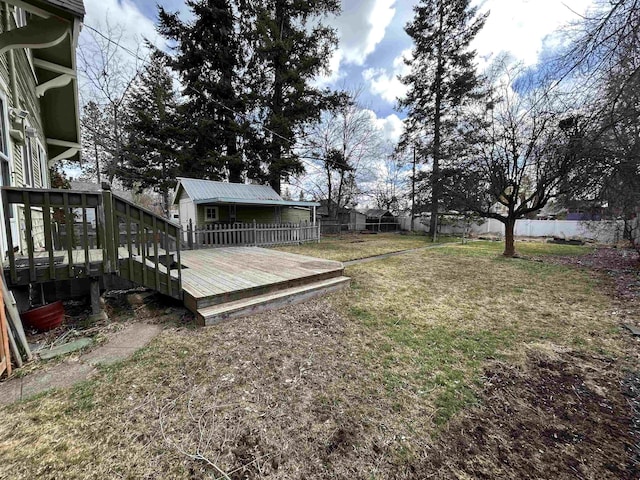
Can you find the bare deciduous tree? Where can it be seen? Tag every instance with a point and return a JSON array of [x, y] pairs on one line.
[[106, 73], [522, 157], [342, 146]]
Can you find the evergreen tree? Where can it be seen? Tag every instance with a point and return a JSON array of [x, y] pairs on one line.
[[152, 150], [97, 144], [290, 46], [207, 56], [442, 79]]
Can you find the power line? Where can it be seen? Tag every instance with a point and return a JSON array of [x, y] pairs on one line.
[[199, 92]]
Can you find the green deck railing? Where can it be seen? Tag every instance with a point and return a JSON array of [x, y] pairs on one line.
[[66, 234]]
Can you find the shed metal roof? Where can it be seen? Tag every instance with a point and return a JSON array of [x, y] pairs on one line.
[[209, 191]]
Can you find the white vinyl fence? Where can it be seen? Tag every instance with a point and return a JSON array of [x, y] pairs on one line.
[[605, 231]]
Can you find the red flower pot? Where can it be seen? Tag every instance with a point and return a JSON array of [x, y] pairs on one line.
[[44, 318]]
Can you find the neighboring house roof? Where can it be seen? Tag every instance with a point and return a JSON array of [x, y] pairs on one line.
[[74, 6], [377, 213], [94, 187], [209, 191]]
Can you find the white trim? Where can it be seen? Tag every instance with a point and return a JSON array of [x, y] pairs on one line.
[[56, 82], [63, 143], [44, 165], [29, 8], [206, 213], [68, 153], [8, 157], [28, 177], [54, 67], [20, 16], [21, 20]]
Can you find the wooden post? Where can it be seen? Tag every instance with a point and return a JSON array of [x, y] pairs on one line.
[[97, 313], [255, 233], [28, 234], [5, 357], [111, 260], [7, 225]]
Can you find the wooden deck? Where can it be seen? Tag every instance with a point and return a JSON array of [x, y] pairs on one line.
[[217, 283], [220, 275]]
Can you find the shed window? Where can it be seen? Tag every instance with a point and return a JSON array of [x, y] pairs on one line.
[[211, 214]]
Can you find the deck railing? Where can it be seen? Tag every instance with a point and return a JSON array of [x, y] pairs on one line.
[[253, 234], [65, 234]]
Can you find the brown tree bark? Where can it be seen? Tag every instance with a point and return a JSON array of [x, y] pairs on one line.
[[437, 124], [509, 242]]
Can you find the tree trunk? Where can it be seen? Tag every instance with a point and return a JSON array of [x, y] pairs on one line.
[[413, 189], [279, 70], [234, 164], [165, 203], [275, 180], [437, 121], [509, 243], [329, 192]]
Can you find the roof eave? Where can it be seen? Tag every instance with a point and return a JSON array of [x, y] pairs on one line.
[[242, 201]]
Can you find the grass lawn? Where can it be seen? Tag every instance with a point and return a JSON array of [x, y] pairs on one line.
[[452, 362], [353, 246]]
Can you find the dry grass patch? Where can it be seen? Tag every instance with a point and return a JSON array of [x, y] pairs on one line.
[[353, 246], [444, 313], [427, 367], [279, 395]]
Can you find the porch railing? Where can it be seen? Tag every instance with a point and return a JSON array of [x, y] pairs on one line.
[[65, 234], [251, 234]]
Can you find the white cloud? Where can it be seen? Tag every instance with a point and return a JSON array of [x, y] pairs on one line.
[[386, 84], [361, 27], [391, 127], [134, 25], [521, 27]]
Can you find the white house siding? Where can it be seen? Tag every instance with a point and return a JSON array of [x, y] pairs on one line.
[[26, 84], [186, 210]]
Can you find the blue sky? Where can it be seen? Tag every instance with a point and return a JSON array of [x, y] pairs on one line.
[[373, 41]]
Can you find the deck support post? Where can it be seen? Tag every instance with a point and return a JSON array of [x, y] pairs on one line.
[[97, 312]]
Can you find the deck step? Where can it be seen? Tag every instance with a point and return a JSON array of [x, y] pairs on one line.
[[269, 301]]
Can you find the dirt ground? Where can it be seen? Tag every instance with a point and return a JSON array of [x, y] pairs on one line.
[[621, 265], [561, 416]]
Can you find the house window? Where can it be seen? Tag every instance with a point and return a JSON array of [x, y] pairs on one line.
[[211, 214]]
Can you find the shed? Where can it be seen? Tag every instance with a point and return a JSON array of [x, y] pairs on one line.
[[381, 220], [206, 202], [343, 220]]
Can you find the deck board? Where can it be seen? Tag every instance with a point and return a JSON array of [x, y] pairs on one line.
[[220, 271], [220, 274]]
